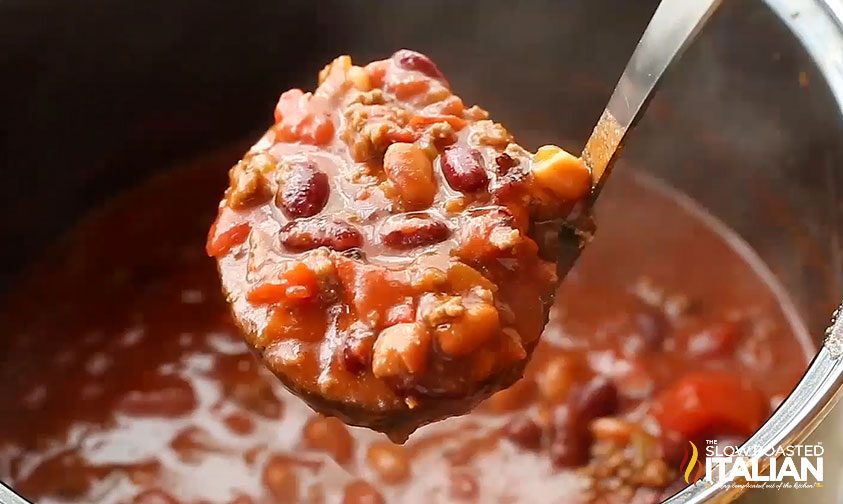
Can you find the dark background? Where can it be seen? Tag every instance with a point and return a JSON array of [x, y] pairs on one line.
[[96, 95]]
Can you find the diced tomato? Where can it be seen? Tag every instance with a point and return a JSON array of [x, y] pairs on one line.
[[408, 88], [457, 123], [704, 401], [303, 117], [377, 71], [220, 244], [372, 291], [453, 105], [296, 283], [404, 311], [306, 322]]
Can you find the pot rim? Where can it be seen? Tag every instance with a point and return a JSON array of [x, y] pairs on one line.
[[818, 24]]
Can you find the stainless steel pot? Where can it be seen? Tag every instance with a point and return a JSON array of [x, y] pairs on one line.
[[97, 95]]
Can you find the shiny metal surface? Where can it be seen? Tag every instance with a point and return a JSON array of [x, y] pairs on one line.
[[672, 27], [819, 26]]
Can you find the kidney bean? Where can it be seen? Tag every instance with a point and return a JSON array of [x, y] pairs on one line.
[[279, 478], [718, 339], [598, 398], [408, 231], [464, 169], [154, 496], [524, 432], [463, 486], [242, 499], [516, 397], [329, 435], [555, 378], [569, 450], [361, 492], [652, 326], [412, 60], [300, 235], [239, 423], [305, 191], [572, 438], [503, 163], [192, 443], [390, 461], [356, 353], [170, 401]]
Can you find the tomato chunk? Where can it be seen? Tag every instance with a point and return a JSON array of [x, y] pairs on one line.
[[220, 244], [295, 284], [702, 401], [302, 117]]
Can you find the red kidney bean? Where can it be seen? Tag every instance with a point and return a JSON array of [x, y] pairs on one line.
[[463, 486], [407, 231], [652, 326], [329, 435], [719, 338], [569, 447], [597, 398], [361, 492], [309, 234], [280, 479], [524, 432], [170, 401], [154, 496], [464, 169], [504, 163], [572, 438], [412, 60], [239, 423], [356, 355], [305, 192]]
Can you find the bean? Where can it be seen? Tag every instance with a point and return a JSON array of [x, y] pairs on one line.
[[555, 379], [412, 60], [524, 432], [171, 401], [598, 398], [400, 350], [357, 346], [411, 173], [652, 326], [280, 480], [361, 492], [239, 423], [329, 435], [464, 169], [154, 496], [300, 235], [390, 461], [514, 398], [464, 486], [305, 191], [407, 231], [571, 442]]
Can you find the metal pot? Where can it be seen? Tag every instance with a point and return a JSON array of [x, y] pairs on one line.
[[98, 95]]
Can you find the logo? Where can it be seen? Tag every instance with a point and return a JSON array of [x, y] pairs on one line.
[[693, 469], [798, 466]]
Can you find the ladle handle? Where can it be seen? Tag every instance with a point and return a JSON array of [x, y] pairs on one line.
[[673, 26]]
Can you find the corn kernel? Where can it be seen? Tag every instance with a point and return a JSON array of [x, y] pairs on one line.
[[343, 62], [562, 173], [359, 78]]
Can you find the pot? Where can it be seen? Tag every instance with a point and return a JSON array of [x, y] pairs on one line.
[[98, 96]]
